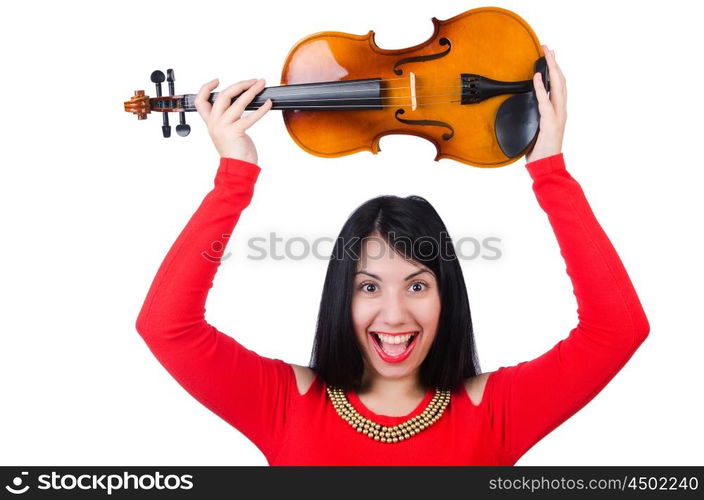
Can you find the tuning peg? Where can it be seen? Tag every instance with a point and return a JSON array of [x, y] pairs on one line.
[[182, 128], [157, 78], [170, 79]]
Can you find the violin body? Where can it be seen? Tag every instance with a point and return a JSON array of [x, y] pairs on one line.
[[488, 41], [468, 89]]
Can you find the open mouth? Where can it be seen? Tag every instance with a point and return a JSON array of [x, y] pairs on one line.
[[391, 349]]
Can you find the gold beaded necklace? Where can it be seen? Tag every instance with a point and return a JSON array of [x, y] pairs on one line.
[[396, 433]]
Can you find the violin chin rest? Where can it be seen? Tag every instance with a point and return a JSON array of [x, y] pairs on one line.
[[516, 124]]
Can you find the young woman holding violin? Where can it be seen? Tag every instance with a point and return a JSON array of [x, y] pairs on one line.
[[394, 377]]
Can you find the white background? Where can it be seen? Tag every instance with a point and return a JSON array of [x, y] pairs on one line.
[[91, 200]]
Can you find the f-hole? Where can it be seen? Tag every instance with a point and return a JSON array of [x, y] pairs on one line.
[[435, 123], [443, 41]]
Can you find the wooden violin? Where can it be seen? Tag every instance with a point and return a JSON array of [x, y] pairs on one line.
[[468, 89]]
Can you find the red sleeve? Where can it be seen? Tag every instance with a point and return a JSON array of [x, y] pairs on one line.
[[247, 390], [532, 398]]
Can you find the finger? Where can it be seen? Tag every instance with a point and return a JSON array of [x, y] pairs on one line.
[[249, 120], [559, 70], [558, 86], [544, 104], [224, 99], [556, 77], [201, 102], [237, 108]]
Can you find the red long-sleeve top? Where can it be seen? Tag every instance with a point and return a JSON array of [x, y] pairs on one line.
[[521, 404]]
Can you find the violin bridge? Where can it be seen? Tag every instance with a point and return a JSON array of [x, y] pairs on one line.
[[414, 101]]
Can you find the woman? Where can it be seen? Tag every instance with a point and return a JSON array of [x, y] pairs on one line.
[[394, 378]]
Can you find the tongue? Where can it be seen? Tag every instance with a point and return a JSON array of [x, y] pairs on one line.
[[393, 349]]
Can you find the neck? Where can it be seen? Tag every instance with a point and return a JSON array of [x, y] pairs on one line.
[[392, 388], [320, 96]]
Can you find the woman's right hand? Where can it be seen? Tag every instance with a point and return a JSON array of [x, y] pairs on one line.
[[226, 125]]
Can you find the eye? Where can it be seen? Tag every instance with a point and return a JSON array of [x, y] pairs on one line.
[[368, 287], [419, 286]]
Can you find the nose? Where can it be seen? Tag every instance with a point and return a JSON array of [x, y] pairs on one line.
[[394, 310]]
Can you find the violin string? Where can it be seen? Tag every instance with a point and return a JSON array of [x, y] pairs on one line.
[[333, 91], [291, 98], [343, 83], [422, 87], [331, 85], [361, 106], [287, 94], [316, 99], [282, 103]]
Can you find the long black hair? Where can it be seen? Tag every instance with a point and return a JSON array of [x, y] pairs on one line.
[[414, 230]]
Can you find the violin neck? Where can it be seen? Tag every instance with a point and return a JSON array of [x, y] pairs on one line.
[[319, 96]]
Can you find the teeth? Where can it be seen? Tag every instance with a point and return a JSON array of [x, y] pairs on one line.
[[395, 339]]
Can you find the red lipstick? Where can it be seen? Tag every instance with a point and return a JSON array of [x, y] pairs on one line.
[[394, 359]]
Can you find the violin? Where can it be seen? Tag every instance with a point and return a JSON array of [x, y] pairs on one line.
[[468, 89]]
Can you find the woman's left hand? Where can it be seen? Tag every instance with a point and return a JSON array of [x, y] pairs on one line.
[[553, 111]]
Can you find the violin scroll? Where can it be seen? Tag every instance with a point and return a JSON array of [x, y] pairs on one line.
[[138, 105]]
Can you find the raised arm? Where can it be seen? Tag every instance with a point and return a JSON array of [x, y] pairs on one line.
[[532, 398], [247, 390]]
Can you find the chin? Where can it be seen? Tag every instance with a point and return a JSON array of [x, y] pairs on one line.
[[394, 372]]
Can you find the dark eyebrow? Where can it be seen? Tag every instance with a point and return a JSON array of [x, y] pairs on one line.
[[405, 279]]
